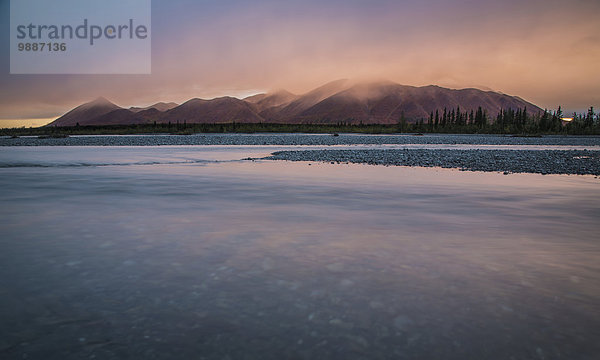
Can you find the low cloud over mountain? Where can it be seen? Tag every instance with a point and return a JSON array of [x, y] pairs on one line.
[[338, 101]]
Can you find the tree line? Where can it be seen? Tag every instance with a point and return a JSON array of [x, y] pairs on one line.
[[507, 121]]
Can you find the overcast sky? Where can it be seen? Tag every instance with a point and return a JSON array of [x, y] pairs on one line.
[[545, 51]]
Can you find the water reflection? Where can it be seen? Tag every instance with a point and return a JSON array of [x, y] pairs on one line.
[[271, 260]]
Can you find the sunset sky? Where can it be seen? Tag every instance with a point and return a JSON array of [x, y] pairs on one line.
[[545, 51]]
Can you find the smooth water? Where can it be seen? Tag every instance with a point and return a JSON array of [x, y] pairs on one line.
[[189, 253]]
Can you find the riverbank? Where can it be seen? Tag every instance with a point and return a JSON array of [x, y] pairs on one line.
[[507, 161], [298, 139]]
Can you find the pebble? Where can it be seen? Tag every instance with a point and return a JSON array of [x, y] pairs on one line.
[[581, 162], [335, 267], [267, 264], [402, 323], [346, 283], [376, 305], [298, 139], [341, 324], [505, 161]]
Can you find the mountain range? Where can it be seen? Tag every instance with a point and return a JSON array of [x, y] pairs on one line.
[[338, 101]]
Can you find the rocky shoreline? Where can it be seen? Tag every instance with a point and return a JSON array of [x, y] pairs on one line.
[[584, 159], [297, 139], [506, 161]]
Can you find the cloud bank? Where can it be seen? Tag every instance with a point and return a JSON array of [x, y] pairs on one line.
[[544, 51]]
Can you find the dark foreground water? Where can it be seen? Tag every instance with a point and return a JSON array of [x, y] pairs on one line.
[[163, 253]]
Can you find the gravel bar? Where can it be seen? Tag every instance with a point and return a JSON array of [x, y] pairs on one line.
[[297, 139], [507, 161]]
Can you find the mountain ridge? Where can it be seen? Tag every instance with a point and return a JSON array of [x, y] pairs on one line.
[[381, 102], [160, 106]]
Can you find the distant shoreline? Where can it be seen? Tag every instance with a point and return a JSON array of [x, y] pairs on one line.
[[252, 128], [294, 139]]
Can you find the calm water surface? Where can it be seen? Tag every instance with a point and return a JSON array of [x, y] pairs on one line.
[[189, 253]]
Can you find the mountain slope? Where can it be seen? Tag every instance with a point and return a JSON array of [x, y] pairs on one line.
[[386, 103], [161, 106], [125, 116], [219, 110], [86, 113], [288, 112], [338, 101], [270, 100]]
